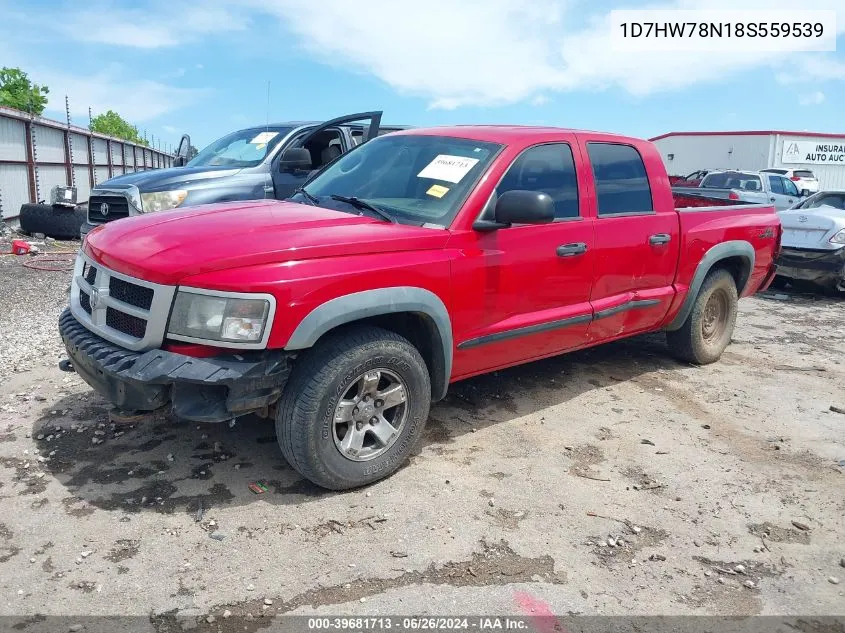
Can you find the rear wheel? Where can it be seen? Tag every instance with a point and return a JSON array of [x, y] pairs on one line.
[[709, 327], [354, 408]]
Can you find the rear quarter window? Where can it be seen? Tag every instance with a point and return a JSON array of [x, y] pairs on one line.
[[622, 185]]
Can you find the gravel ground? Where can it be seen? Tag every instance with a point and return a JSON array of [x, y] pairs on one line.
[[610, 481]]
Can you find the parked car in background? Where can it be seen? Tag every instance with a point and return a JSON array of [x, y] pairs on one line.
[[690, 180], [266, 161], [804, 179], [747, 186], [814, 240], [417, 259]]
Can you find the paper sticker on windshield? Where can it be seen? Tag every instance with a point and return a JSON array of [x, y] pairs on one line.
[[263, 138], [438, 191], [448, 168]]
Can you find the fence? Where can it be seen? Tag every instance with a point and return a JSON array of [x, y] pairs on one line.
[[37, 154]]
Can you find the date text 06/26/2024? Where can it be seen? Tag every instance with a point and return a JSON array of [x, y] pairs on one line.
[[419, 623]]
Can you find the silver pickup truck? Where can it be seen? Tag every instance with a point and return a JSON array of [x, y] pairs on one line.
[[747, 186]]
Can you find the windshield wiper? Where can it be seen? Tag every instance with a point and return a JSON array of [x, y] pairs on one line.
[[364, 205], [309, 197]]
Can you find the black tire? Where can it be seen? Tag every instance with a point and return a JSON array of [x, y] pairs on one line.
[[703, 337], [780, 282], [58, 222], [305, 421]]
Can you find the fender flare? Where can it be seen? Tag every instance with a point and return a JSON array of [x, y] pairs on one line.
[[719, 252], [369, 303]]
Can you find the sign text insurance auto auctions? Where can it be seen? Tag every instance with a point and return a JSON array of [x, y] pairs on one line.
[[821, 152]]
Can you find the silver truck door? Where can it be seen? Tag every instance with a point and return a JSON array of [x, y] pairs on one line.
[[777, 193], [287, 179], [791, 192]]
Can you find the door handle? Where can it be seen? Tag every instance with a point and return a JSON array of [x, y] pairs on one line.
[[570, 250], [659, 238], [772, 199]]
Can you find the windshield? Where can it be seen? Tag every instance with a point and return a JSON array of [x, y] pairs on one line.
[[244, 148], [414, 178], [732, 180]]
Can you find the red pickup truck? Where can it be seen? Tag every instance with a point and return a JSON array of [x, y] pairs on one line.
[[415, 260]]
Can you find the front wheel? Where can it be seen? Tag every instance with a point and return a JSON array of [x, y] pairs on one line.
[[709, 327], [354, 408]]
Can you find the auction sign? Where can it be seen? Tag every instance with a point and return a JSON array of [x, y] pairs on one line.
[[820, 152]]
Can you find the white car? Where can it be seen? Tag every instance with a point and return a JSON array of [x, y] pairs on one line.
[[803, 178], [813, 241]]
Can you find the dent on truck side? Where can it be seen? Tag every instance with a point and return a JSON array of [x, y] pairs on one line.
[[717, 253], [382, 301]]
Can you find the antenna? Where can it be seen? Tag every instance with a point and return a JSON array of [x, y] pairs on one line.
[[267, 125]]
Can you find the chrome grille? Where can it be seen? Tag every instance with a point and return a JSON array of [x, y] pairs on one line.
[[85, 302], [90, 274], [126, 323], [103, 209], [122, 309], [133, 294]]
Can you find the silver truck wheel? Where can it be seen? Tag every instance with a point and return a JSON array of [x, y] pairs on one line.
[[371, 414], [354, 408]]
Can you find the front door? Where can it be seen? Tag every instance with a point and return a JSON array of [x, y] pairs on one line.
[[525, 289], [325, 142]]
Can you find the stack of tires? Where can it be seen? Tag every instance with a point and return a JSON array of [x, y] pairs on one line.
[[60, 222]]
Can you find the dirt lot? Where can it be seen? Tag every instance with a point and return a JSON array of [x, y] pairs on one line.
[[721, 487]]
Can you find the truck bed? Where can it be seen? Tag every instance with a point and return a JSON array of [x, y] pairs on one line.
[[687, 197]]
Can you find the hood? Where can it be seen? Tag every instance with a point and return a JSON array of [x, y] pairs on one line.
[[812, 228], [168, 246], [170, 178]]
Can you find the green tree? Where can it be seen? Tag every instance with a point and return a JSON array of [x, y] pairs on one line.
[[17, 91], [113, 124]]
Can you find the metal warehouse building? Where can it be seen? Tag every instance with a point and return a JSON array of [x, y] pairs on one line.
[[824, 154]]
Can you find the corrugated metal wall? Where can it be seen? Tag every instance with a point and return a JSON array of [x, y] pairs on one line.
[[27, 172], [742, 151], [830, 176], [690, 153]]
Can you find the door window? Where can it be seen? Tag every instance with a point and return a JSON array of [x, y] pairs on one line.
[[776, 184], [622, 185], [547, 168], [789, 187], [324, 146]]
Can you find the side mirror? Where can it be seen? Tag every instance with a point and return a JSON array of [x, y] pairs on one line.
[[805, 193], [182, 152], [524, 207], [295, 159]]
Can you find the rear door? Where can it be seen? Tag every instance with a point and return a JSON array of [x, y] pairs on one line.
[[637, 242], [778, 193], [324, 147], [791, 192]]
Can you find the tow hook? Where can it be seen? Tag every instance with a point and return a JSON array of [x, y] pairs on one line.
[[66, 365]]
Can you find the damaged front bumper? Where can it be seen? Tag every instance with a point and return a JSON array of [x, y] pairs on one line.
[[200, 389], [824, 267]]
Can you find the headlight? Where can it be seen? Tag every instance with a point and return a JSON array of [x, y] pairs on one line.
[[162, 200], [218, 318], [839, 238]]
